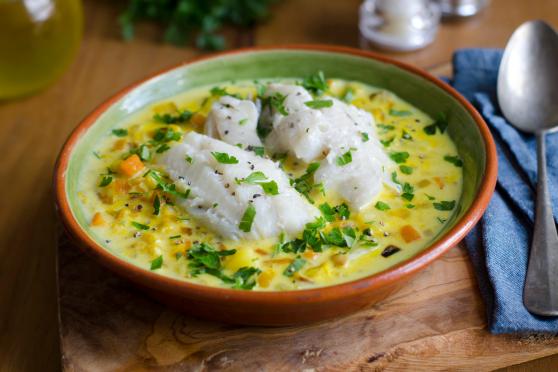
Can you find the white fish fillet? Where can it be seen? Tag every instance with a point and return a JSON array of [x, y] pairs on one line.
[[234, 121], [213, 183], [312, 134]]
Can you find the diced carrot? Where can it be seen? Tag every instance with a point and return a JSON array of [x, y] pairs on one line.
[[97, 220], [121, 186], [188, 244], [265, 278], [409, 234], [261, 251], [198, 119], [439, 182], [131, 166]]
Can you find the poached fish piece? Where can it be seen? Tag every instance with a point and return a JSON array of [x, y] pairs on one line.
[[226, 181], [234, 121]]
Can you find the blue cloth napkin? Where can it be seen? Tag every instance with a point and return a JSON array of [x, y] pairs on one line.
[[499, 244]]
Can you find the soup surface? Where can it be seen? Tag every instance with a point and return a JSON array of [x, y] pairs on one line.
[[159, 195]]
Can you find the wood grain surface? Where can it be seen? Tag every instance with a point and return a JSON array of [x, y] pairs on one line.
[[33, 129]]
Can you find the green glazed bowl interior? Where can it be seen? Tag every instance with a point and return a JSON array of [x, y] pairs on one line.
[[286, 63]]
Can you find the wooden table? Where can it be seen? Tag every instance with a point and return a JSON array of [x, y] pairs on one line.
[[32, 131]]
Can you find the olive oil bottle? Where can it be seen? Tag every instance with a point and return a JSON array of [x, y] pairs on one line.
[[38, 40]]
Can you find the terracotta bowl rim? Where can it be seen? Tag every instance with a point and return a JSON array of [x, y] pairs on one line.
[[183, 288]]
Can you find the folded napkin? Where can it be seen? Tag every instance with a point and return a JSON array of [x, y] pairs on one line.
[[499, 244]]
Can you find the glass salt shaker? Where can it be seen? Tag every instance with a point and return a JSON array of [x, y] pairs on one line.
[[398, 25]]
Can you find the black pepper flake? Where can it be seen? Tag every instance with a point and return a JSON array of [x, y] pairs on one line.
[[227, 185], [291, 125], [126, 205], [252, 167], [107, 241], [307, 130], [228, 106], [139, 207], [189, 183], [389, 250], [200, 207], [217, 172], [228, 118], [233, 193], [181, 178], [256, 196], [226, 132]]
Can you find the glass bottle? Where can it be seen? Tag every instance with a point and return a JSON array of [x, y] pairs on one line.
[[38, 40]]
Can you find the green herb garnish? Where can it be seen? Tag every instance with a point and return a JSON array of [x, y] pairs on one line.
[[405, 169], [445, 205], [455, 160], [157, 263], [381, 206], [247, 218], [140, 226], [364, 136], [399, 157], [120, 132], [294, 266], [179, 118], [319, 103], [440, 124], [156, 205], [315, 83], [224, 158], [105, 181], [400, 113], [387, 142], [344, 159]]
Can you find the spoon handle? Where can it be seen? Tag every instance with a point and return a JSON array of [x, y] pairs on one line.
[[540, 294]]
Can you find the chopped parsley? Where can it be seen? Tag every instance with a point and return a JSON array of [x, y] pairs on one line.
[[140, 226], [304, 184], [180, 117], [258, 178], [166, 135], [400, 113], [315, 83], [204, 259], [258, 150], [445, 205], [188, 159], [157, 263], [364, 136], [165, 186], [219, 92], [244, 278], [387, 142], [408, 191], [144, 153], [381, 206], [399, 157], [455, 160], [105, 181], [120, 132], [294, 266], [164, 147], [344, 159], [430, 197], [331, 213], [441, 124], [156, 205], [319, 103], [243, 121], [247, 218], [276, 101], [385, 127], [406, 136], [175, 237], [405, 169], [224, 158]]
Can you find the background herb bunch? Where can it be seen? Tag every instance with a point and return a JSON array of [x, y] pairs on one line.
[[198, 20]]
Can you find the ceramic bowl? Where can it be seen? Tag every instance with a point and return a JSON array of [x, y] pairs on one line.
[[428, 93]]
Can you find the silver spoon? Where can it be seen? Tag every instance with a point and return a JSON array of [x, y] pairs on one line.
[[528, 97]]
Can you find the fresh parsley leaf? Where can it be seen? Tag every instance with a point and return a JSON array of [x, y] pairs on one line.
[[405, 169], [247, 218], [441, 124], [164, 147], [165, 186], [387, 142], [315, 83], [144, 153], [430, 197], [294, 266], [243, 121], [381, 206], [385, 127], [408, 192], [319, 103], [304, 184], [276, 101], [224, 158], [157, 263], [406, 136], [445, 205], [344, 159], [400, 113], [140, 226], [166, 135], [178, 118], [188, 159], [120, 132], [364, 136], [258, 150], [270, 188], [327, 212], [244, 278], [105, 181], [399, 157], [156, 205], [258, 178], [455, 160]]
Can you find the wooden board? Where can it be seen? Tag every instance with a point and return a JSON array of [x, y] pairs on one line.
[[33, 129], [436, 322]]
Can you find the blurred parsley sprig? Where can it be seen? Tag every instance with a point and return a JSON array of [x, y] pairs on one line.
[[186, 19]]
